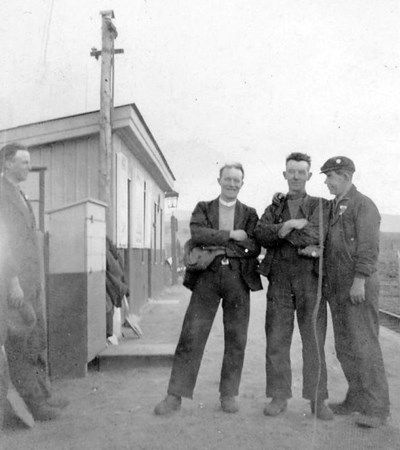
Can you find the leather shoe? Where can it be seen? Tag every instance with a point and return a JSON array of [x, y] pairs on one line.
[[365, 421], [275, 407], [44, 412], [229, 404], [344, 408], [322, 411], [170, 404], [57, 401]]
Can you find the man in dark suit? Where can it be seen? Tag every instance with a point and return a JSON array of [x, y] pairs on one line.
[[26, 346], [229, 224]]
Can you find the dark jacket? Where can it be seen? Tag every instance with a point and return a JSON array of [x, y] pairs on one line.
[[352, 243], [204, 225], [116, 288], [20, 225], [8, 270], [19, 232], [266, 231]]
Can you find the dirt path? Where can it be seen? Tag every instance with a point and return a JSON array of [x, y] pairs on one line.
[[113, 410]]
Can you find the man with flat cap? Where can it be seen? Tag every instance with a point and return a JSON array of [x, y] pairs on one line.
[[352, 290]]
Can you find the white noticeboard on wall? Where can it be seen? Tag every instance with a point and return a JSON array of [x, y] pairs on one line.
[[122, 201]]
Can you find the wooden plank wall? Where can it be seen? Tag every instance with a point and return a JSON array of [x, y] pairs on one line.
[[72, 170], [72, 175]]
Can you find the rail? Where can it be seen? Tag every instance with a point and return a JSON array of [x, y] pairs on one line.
[[389, 320]]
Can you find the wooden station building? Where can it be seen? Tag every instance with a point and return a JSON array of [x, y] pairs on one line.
[[64, 188]]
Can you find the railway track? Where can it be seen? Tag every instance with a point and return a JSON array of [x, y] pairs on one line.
[[389, 320]]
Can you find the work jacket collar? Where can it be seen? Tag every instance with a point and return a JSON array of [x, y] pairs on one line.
[[340, 207], [304, 207]]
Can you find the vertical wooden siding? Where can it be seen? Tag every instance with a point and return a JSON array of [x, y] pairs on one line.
[[72, 170], [73, 175]]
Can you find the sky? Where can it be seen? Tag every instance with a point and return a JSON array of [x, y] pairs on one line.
[[223, 80]]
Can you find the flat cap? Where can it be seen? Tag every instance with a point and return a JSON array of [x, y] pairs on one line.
[[337, 163]]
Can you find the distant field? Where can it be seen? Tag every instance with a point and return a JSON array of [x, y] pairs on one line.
[[389, 272]]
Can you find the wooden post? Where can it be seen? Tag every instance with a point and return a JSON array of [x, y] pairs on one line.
[[174, 265], [109, 34]]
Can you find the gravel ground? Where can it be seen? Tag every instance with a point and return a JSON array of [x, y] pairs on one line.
[[113, 410]]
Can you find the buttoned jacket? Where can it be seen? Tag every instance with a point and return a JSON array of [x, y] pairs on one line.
[[352, 243], [20, 225]]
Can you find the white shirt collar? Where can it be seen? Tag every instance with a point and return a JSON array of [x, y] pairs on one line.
[[228, 204]]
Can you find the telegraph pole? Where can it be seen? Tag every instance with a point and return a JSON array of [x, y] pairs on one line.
[[109, 34]]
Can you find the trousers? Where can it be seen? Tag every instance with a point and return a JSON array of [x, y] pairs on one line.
[[223, 283], [293, 290], [356, 331], [27, 362]]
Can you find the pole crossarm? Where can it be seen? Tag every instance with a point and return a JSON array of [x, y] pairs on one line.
[[97, 53]]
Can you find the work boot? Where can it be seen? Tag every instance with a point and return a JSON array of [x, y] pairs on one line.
[[344, 408], [229, 404], [366, 421], [322, 411], [170, 404], [275, 407], [43, 412], [57, 401]]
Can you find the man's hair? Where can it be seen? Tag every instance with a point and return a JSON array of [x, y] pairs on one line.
[[297, 156], [8, 152], [231, 165]]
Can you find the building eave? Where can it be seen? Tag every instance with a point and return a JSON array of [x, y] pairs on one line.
[[128, 123], [131, 128]]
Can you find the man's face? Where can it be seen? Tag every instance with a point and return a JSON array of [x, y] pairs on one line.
[[297, 174], [18, 167], [231, 181], [337, 184]]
